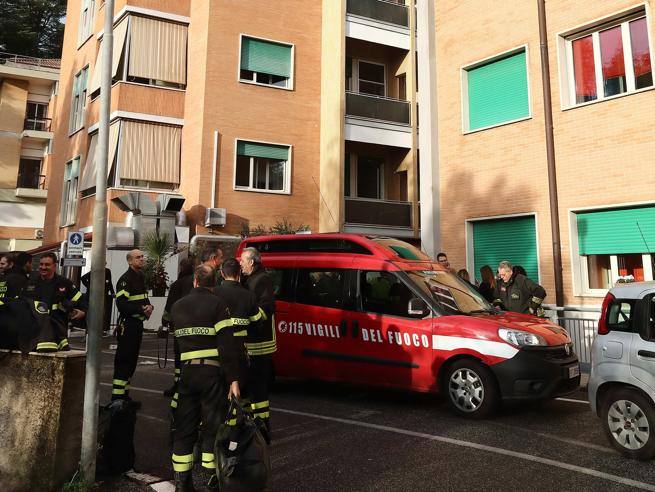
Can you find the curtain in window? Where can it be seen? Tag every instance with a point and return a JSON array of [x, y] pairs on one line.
[[150, 152], [158, 50], [583, 65], [120, 36], [89, 175], [267, 151], [265, 57]]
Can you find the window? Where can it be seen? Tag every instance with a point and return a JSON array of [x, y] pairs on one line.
[[370, 177], [36, 117], [620, 314], [78, 101], [87, 14], [69, 192], [496, 91], [650, 322], [513, 239], [609, 59], [383, 293], [371, 78], [614, 246], [324, 288], [282, 283], [262, 167], [29, 173], [266, 62], [146, 51]]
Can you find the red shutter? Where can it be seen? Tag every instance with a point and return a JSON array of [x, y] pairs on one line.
[[585, 74], [611, 53], [640, 51]]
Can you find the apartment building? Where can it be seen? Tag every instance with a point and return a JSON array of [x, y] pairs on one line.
[[295, 110], [27, 88], [492, 147]]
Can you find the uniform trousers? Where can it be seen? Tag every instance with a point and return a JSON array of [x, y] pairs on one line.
[[260, 374], [202, 397], [127, 355]]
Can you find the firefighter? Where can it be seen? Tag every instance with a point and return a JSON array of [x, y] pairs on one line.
[[62, 299], [15, 279], [6, 263], [12, 284], [181, 287], [260, 342], [210, 374], [109, 296], [134, 308], [516, 292]]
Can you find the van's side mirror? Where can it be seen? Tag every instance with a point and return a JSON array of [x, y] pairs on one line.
[[417, 307]]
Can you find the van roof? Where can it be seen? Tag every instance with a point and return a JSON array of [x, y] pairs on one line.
[[380, 247]]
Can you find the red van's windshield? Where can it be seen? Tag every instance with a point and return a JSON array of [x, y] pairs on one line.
[[451, 294], [405, 250]]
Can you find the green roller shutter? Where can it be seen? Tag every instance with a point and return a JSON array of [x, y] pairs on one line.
[[267, 151], [498, 92], [265, 57], [617, 231], [513, 239]]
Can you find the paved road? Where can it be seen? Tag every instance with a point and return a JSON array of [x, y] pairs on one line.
[[336, 437]]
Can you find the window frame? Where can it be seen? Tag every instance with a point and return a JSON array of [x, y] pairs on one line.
[[466, 130], [87, 19], [286, 190], [357, 79], [68, 215], [359, 301], [579, 263], [290, 81], [78, 102], [566, 62]]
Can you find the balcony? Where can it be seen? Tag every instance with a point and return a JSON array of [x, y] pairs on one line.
[[29, 68], [30, 185], [378, 213], [377, 108], [380, 10], [37, 124]]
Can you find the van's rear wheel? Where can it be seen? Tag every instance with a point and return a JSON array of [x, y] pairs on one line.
[[471, 389], [629, 423]]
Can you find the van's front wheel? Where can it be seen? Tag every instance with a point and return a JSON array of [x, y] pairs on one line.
[[471, 389]]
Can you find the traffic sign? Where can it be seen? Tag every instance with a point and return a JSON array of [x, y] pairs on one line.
[[75, 244], [74, 262]]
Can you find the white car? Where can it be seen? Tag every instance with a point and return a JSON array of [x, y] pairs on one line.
[[622, 381]]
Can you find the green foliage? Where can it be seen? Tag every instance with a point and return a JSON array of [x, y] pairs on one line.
[[280, 227], [157, 248], [77, 483], [32, 27]]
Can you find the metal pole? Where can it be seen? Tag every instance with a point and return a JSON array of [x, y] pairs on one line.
[[550, 155], [98, 258]]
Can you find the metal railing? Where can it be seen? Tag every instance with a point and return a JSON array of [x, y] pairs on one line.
[[37, 124], [31, 181], [582, 331], [387, 213], [380, 10], [377, 108], [13, 59]]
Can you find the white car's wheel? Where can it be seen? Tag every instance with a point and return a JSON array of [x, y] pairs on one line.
[[628, 419]]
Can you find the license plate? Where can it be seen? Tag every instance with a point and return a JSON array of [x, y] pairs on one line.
[[574, 371]]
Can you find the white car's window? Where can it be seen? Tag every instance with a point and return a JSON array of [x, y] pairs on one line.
[[620, 315]]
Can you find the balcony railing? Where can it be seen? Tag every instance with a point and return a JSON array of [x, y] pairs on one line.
[[31, 181], [37, 124], [386, 213], [377, 108], [380, 10], [21, 61]]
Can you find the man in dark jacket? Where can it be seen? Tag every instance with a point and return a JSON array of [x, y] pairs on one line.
[[15, 279], [517, 293], [134, 308], [60, 296], [180, 288], [211, 371], [260, 343]]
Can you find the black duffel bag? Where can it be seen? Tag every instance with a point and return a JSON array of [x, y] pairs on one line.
[[116, 437], [243, 462]]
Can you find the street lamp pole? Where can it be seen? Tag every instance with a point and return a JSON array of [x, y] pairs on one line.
[[98, 259]]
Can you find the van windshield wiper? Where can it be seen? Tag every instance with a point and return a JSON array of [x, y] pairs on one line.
[[480, 311]]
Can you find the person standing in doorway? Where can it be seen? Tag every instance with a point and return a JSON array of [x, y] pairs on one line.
[[109, 296], [134, 308]]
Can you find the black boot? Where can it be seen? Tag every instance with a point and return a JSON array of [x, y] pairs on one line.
[[169, 392], [184, 481]]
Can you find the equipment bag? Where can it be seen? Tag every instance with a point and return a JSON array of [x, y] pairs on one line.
[[116, 437], [242, 459]]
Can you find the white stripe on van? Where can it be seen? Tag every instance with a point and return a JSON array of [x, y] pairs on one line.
[[486, 347]]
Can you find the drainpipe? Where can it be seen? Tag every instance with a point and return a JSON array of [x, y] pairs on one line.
[[550, 155]]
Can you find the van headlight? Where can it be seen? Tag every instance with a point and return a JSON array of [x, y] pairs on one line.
[[520, 338]]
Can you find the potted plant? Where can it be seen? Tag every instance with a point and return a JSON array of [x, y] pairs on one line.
[[158, 248]]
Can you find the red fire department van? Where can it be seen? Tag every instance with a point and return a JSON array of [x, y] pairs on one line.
[[377, 311]]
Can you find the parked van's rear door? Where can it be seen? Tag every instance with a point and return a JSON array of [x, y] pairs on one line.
[[390, 347], [642, 350]]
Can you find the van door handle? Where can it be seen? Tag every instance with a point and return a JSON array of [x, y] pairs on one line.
[[343, 328], [646, 353], [355, 329]]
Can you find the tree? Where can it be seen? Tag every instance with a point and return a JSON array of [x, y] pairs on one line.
[[32, 27]]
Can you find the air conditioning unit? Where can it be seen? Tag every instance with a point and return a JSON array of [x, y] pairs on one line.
[[215, 217], [38, 234]]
